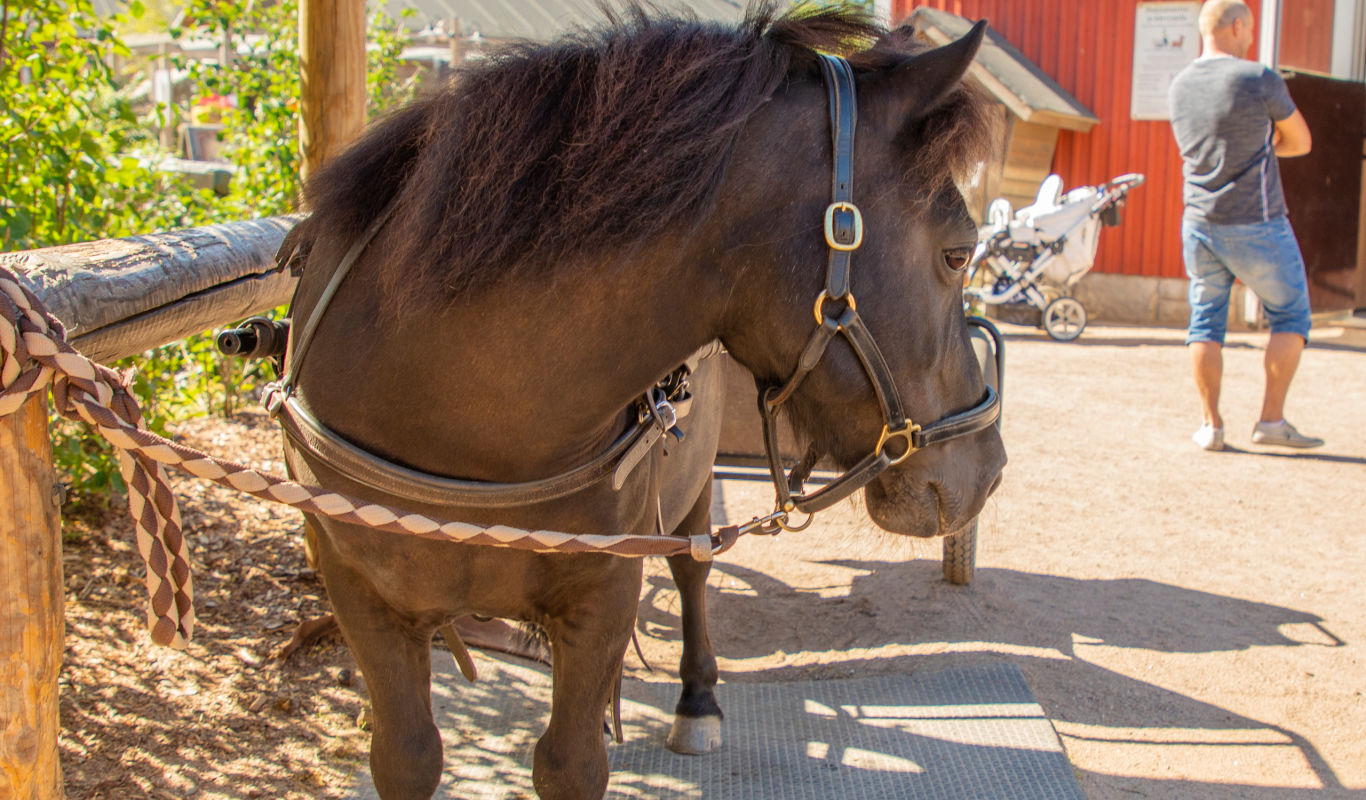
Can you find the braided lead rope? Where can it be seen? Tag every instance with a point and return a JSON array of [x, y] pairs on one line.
[[35, 352]]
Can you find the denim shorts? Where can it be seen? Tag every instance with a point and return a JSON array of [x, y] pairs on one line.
[[1263, 255]]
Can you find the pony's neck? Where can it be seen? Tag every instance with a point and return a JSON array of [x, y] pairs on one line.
[[546, 371]]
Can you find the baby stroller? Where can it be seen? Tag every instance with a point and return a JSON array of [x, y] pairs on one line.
[[1035, 256]]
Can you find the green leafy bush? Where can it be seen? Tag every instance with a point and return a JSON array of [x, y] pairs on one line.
[[66, 168], [70, 171]]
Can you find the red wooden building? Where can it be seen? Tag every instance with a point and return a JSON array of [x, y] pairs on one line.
[[1088, 48]]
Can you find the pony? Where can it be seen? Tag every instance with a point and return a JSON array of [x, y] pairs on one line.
[[499, 279]]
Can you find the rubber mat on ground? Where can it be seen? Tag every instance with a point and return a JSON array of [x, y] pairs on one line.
[[969, 732]]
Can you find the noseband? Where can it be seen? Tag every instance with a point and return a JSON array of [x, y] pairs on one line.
[[843, 235]]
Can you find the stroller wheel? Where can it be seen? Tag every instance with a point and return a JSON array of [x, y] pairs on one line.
[[1064, 319]]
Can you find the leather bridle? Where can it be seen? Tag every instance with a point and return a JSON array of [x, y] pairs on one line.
[[843, 234]]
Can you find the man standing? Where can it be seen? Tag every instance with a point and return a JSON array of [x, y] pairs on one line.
[[1232, 118]]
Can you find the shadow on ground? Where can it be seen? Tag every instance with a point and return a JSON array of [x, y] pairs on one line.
[[990, 622]]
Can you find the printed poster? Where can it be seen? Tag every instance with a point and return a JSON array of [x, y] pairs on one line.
[[1166, 39]]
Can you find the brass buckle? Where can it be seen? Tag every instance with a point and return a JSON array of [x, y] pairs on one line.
[[823, 296], [902, 433], [830, 225], [785, 525]]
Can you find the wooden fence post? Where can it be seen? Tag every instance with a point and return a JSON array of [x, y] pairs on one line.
[[120, 297], [31, 623], [332, 60]]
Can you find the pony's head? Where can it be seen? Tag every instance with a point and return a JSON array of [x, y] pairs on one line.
[[919, 130]]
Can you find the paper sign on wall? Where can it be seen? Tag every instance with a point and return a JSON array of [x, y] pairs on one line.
[[1166, 39]]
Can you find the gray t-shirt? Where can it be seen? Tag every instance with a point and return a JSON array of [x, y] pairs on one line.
[[1223, 114]]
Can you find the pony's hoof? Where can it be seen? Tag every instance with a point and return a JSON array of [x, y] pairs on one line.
[[695, 736]]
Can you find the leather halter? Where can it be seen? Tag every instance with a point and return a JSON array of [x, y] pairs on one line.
[[843, 235]]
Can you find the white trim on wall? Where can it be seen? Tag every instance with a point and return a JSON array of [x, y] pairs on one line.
[[882, 10], [1268, 48], [1349, 39]]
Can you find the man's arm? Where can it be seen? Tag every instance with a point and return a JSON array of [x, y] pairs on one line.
[[1292, 136]]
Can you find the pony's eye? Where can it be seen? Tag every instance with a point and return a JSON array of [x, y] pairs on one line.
[[957, 258]]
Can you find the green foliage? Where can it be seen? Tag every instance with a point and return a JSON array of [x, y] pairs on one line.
[[71, 170], [65, 169], [262, 75], [384, 90]]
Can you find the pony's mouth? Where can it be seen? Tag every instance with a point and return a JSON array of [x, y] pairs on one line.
[[924, 508]]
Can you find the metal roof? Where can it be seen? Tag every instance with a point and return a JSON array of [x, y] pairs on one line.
[[539, 20], [1016, 81]]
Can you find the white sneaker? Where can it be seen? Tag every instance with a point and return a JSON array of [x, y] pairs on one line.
[[1209, 437], [1282, 434]]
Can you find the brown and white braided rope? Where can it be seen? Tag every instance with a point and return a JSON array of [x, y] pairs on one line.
[[35, 352]]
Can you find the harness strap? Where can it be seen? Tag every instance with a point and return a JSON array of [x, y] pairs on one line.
[[811, 355], [316, 439], [844, 226], [305, 431], [296, 357], [879, 374], [974, 419]]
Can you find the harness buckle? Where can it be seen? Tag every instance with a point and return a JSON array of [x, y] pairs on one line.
[[857, 222], [662, 411], [273, 396], [906, 432], [820, 303]]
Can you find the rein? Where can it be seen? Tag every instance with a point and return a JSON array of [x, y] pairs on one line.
[[34, 355]]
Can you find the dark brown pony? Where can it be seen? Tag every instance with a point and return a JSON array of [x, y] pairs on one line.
[[572, 221]]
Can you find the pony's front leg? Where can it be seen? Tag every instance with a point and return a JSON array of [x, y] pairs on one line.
[[697, 717], [394, 657], [587, 645]]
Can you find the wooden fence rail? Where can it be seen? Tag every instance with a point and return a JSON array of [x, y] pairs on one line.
[[118, 298]]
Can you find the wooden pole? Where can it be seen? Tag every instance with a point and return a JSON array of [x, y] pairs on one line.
[[1361, 235], [457, 44], [31, 623], [118, 297], [167, 131], [332, 59]]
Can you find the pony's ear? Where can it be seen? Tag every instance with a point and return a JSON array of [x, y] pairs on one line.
[[924, 82]]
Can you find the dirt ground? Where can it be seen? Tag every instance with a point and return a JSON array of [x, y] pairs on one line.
[[1190, 621]]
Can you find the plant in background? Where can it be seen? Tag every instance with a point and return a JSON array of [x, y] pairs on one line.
[[68, 173], [254, 87], [66, 170], [69, 170], [385, 91]]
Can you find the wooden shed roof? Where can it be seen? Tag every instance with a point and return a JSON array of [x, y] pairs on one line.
[[1016, 81]]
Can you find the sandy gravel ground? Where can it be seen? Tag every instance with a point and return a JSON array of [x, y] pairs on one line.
[[1191, 621]]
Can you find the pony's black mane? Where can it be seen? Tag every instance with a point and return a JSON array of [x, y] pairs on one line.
[[598, 140]]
